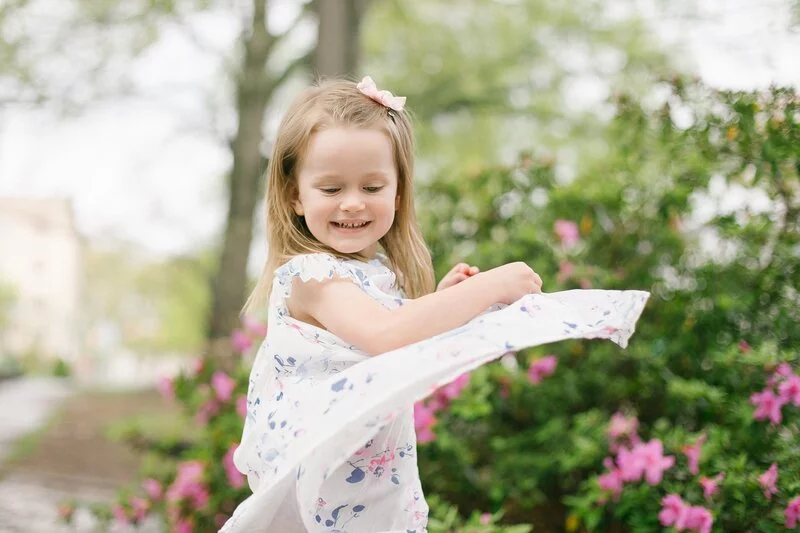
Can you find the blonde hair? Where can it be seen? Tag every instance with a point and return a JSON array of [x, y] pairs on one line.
[[333, 103]]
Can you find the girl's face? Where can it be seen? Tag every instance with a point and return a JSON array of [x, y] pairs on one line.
[[347, 188]]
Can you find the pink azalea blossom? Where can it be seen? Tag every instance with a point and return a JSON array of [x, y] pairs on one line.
[[654, 461], [184, 525], [140, 506], [65, 511], [197, 366], [424, 420], [452, 390], [789, 390], [711, 485], [767, 406], [621, 426], [693, 454], [153, 489], [235, 478], [744, 347], [254, 327], [699, 519], [768, 480], [167, 388], [674, 512], [120, 514], [486, 519], [612, 480], [792, 513], [541, 368], [189, 485], [240, 341], [644, 459], [241, 406], [565, 271], [423, 416], [223, 385], [567, 232], [209, 408], [425, 435]]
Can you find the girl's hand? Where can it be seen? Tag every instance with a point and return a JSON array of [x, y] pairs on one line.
[[513, 281], [457, 274]]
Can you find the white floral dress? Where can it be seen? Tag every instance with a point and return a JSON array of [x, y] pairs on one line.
[[329, 443]]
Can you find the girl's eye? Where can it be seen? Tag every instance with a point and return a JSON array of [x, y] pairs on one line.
[[330, 190], [372, 189]]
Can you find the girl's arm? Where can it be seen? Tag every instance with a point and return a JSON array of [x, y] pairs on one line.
[[347, 312]]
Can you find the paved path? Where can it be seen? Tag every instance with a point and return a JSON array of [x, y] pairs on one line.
[[26, 404], [28, 503]]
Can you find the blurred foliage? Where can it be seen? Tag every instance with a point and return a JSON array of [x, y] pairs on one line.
[[674, 209], [157, 305], [489, 79]]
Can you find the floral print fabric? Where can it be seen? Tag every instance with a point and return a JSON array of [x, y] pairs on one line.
[[329, 432]]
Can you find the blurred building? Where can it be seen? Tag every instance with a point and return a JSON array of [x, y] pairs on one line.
[[41, 260]]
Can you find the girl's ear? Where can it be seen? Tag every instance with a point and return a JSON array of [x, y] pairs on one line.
[[296, 204]]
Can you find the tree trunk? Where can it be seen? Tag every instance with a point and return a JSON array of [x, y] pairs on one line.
[[252, 96], [338, 37]]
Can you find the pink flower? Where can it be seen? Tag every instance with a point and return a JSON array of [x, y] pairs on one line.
[[699, 519], [235, 478], [784, 370], [197, 366], [711, 485], [693, 454], [654, 461], [789, 390], [541, 368], [620, 426], [452, 390], [644, 459], [241, 406], [188, 485], [486, 519], [792, 513], [768, 480], [565, 271], [209, 408], [424, 420], [152, 488], [612, 480], [119, 513], [223, 385], [423, 416], [167, 388], [140, 506], [673, 512], [254, 327], [744, 347], [240, 341], [65, 511], [567, 232], [368, 88], [184, 525], [767, 406]]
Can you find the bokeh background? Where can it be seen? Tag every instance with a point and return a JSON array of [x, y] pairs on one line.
[[610, 144]]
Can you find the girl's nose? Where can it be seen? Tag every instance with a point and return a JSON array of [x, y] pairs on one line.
[[352, 202]]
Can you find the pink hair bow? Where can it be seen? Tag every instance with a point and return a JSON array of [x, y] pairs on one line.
[[368, 88]]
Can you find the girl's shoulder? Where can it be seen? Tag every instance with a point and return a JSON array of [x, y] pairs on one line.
[[321, 266]]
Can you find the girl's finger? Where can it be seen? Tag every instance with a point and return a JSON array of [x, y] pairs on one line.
[[473, 270]]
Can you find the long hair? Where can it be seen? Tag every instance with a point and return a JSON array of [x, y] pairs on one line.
[[338, 103]]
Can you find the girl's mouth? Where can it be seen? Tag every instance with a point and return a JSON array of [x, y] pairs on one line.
[[351, 225]]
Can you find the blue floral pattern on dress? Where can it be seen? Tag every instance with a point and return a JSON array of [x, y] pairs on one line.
[[331, 428]]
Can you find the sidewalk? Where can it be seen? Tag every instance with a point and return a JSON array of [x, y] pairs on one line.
[[29, 499], [26, 404]]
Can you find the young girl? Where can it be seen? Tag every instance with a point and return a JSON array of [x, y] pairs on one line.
[[329, 442]]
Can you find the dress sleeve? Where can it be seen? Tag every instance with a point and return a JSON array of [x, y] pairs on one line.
[[306, 267]]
